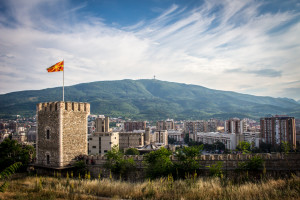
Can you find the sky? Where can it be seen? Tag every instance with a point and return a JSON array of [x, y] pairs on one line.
[[246, 46]]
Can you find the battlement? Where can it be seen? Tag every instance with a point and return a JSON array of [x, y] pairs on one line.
[[60, 105], [216, 157]]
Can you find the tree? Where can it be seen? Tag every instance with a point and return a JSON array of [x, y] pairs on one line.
[[158, 163], [285, 147], [116, 162], [132, 151], [187, 160], [216, 169], [80, 167], [244, 147], [186, 138], [11, 152], [254, 164], [265, 147], [219, 145], [171, 140]]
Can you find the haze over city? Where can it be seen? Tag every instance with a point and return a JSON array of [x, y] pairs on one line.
[[250, 47]]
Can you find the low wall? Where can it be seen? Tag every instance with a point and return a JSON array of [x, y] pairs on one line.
[[274, 162]]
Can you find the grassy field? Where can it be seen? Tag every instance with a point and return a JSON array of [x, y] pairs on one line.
[[30, 187]]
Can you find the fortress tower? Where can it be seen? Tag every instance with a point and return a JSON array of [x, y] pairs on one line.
[[61, 132]]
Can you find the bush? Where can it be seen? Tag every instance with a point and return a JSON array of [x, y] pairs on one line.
[[117, 164], [158, 163], [80, 167], [216, 169], [187, 160], [254, 164], [244, 147], [132, 151]]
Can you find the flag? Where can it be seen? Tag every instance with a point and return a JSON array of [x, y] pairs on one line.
[[57, 67]]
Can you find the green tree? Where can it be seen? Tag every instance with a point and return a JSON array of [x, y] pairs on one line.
[[171, 140], [285, 147], [80, 168], [11, 152], [219, 145], [116, 162], [216, 169], [254, 164], [244, 147], [132, 151], [187, 160], [186, 138], [158, 163]]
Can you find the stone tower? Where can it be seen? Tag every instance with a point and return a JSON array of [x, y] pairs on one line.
[[61, 132]]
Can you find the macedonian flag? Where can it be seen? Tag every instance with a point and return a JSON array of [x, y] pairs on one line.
[[57, 67]]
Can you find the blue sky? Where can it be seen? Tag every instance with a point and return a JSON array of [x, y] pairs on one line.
[[246, 46]]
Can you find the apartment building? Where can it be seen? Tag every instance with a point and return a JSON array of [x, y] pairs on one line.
[[165, 125], [131, 126], [278, 129], [101, 142], [234, 126]]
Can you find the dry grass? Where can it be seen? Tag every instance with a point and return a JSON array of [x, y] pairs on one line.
[[202, 188]]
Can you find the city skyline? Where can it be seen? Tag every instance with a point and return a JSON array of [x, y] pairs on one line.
[[244, 46]]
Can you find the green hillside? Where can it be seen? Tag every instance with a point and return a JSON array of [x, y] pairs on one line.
[[152, 100]]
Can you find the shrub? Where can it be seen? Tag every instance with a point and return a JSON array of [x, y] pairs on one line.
[[132, 151], [187, 160], [117, 164], [80, 167], [285, 147], [254, 164], [158, 163], [216, 169], [244, 147]]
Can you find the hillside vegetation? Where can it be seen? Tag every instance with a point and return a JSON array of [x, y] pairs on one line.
[[152, 100]]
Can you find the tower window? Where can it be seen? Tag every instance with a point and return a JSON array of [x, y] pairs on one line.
[[48, 159], [48, 134]]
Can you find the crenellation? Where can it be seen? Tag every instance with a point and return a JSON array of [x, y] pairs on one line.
[[39, 107], [74, 106], [80, 106]]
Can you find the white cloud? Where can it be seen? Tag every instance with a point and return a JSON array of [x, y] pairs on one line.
[[193, 46]]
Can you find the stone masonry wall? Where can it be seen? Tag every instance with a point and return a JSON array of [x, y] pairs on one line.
[[48, 119], [74, 129], [273, 162]]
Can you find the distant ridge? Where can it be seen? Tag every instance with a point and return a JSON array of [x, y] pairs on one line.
[[149, 99]]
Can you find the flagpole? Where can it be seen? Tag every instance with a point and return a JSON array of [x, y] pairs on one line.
[[64, 81]]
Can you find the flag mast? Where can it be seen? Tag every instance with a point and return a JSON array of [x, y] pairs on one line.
[[64, 81]]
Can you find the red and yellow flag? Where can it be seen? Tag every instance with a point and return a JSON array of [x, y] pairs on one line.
[[57, 67]]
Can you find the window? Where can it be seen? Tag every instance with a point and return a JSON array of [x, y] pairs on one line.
[[48, 159], [90, 138], [94, 147], [105, 151], [99, 150], [48, 134], [110, 142]]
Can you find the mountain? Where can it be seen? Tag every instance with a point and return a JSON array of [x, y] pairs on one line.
[[152, 100]]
